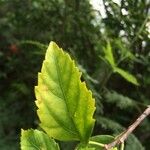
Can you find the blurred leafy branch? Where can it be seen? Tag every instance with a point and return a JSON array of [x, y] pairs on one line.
[[85, 34]]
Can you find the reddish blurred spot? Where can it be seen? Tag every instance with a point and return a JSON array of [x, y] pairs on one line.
[[13, 48]]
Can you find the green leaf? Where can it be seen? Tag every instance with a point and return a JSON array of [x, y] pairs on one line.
[[105, 139], [37, 140], [98, 141], [109, 55], [65, 105], [126, 75]]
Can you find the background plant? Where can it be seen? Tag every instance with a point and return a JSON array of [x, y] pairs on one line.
[[82, 31]]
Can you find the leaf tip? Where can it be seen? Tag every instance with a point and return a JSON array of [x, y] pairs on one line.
[[53, 45]]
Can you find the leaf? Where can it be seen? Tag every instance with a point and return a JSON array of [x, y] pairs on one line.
[[109, 55], [65, 105], [105, 139], [102, 139], [37, 140], [126, 75], [69, 145]]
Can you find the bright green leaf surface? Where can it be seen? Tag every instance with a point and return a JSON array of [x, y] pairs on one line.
[[37, 140], [65, 105], [109, 55], [126, 75]]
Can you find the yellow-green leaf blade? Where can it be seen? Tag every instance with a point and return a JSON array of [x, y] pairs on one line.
[[65, 105], [36, 140]]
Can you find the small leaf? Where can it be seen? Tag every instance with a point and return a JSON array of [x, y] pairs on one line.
[[37, 140], [65, 105], [102, 139], [126, 75], [109, 55], [105, 139]]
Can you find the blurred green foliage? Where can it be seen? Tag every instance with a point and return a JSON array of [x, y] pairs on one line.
[[81, 30]]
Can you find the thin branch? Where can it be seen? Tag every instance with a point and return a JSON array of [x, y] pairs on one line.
[[140, 30], [123, 136]]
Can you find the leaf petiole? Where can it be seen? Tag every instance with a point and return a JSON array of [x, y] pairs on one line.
[[122, 146], [96, 143]]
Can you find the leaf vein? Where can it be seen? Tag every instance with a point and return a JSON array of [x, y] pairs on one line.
[[60, 84]]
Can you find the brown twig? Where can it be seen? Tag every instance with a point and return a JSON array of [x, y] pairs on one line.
[[124, 135]]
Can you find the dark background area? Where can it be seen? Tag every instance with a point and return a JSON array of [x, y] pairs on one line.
[[27, 27]]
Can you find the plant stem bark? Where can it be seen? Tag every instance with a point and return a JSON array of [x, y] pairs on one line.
[[124, 135]]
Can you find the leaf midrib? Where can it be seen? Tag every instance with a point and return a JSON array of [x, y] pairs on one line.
[[60, 84]]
